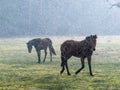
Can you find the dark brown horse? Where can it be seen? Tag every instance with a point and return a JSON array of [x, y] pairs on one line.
[[81, 49], [41, 44]]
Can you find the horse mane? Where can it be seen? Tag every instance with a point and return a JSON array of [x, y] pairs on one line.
[[35, 41]]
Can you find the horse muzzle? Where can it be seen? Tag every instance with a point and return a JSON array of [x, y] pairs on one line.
[[93, 49], [29, 51]]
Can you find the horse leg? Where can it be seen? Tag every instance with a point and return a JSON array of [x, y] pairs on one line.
[[89, 64], [50, 55], [45, 55], [62, 64], [63, 60], [83, 65], [67, 68], [39, 55], [63, 68]]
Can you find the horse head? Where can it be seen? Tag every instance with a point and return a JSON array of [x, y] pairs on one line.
[[91, 40], [29, 46]]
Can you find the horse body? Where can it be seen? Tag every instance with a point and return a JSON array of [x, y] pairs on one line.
[[81, 49], [41, 44], [78, 51]]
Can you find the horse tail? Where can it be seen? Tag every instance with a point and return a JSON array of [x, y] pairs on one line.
[[51, 48], [62, 60], [62, 56]]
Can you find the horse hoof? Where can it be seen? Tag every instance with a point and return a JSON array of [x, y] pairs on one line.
[[91, 75], [61, 72], [38, 62], [69, 74], [76, 73]]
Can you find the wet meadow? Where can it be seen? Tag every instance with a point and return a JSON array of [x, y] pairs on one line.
[[19, 70]]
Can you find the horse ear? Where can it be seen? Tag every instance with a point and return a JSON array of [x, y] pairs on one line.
[[95, 36]]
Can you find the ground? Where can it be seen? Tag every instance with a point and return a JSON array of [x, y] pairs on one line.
[[19, 69]]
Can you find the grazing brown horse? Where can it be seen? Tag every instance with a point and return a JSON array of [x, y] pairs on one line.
[[81, 49], [41, 44]]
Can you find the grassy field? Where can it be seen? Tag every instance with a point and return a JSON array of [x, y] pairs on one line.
[[19, 69]]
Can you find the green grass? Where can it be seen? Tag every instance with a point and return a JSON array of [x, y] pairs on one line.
[[19, 69]]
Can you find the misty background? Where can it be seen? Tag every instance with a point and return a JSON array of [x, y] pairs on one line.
[[19, 18]]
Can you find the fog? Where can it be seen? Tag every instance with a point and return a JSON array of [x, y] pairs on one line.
[[19, 18]]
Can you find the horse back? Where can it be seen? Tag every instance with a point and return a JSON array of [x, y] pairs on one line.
[[69, 46], [75, 48], [44, 43], [47, 40]]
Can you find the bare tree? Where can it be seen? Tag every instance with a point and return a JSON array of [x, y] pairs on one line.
[[116, 4]]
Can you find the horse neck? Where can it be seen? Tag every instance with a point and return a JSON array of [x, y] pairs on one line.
[[86, 42], [32, 42], [90, 43]]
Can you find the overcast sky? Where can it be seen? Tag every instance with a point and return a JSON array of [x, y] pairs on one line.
[[59, 17]]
